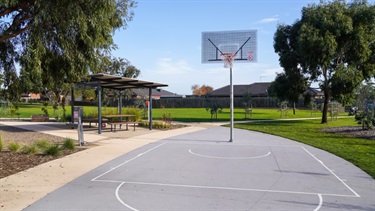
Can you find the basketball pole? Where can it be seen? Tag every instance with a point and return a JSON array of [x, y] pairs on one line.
[[229, 59], [231, 107]]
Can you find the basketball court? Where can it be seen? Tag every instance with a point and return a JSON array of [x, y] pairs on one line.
[[203, 171], [220, 168]]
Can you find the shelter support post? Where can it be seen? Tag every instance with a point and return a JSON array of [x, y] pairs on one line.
[[150, 107], [100, 109], [231, 107], [72, 104], [120, 105]]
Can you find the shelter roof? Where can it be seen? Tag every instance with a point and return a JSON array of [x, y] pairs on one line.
[[117, 82]]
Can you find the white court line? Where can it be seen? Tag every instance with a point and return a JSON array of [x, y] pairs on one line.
[[226, 188], [321, 162], [320, 195], [228, 158], [320, 202], [232, 144], [221, 188], [134, 209], [139, 155], [120, 200]]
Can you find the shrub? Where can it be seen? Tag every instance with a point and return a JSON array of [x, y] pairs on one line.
[[45, 107], [143, 124], [155, 125], [43, 144], [134, 111], [53, 150], [68, 144], [29, 149], [14, 147]]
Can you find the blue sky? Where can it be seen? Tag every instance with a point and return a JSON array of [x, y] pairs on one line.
[[164, 39]]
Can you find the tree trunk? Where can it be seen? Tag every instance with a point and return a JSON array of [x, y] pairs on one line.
[[326, 90], [294, 108], [325, 105]]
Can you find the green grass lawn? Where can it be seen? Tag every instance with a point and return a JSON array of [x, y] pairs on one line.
[[359, 151], [177, 114], [201, 115]]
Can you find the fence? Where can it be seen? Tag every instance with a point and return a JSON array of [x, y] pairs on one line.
[[259, 102]]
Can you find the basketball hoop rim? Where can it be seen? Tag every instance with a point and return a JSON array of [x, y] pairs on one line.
[[229, 54], [228, 59]]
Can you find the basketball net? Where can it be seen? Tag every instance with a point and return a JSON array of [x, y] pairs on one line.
[[228, 59]]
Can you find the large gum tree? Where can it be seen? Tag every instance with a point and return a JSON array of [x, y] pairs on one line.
[[56, 42], [335, 46]]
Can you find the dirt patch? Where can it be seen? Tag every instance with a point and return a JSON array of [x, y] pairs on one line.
[[14, 162], [352, 132]]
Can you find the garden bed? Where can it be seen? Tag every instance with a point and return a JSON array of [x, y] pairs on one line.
[[352, 131], [14, 162]]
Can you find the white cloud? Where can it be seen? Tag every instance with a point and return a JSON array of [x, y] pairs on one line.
[[268, 20], [167, 66]]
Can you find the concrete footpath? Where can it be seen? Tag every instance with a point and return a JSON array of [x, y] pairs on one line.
[[22, 189]]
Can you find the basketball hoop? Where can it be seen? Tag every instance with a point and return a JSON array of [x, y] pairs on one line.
[[228, 59], [229, 46]]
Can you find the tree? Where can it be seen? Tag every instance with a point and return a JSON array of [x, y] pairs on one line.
[[204, 89], [247, 104], [288, 87], [334, 44], [120, 67], [56, 40], [365, 101], [291, 84], [117, 66]]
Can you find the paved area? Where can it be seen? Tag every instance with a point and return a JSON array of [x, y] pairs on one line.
[[20, 190], [192, 168]]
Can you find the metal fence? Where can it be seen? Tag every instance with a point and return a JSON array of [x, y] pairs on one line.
[[259, 102]]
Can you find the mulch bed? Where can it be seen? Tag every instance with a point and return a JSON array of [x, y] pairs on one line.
[[352, 131], [14, 162]]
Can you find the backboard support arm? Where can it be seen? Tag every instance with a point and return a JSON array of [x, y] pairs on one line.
[[217, 49]]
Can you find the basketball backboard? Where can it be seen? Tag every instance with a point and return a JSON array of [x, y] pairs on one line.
[[243, 43]]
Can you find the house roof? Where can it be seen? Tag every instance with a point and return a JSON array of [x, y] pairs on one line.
[[314, 91], [255, 89], [156, 92]]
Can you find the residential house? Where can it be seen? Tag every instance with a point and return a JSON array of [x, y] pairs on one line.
[[156, 93], [315, 93], [256, 90], [30, 96]]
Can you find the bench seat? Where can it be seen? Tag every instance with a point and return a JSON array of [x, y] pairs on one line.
[[94, 120], [114, 124]]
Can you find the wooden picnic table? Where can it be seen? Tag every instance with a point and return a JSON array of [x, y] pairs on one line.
[[114, 123]]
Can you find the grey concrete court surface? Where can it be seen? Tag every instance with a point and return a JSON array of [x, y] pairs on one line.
[[201, 170]]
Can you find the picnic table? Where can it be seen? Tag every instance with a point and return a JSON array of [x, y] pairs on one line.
[[116, 119]]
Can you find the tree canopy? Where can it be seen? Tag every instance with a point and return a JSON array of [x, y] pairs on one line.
[[333, 44], [201, 90], [56, 40]]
